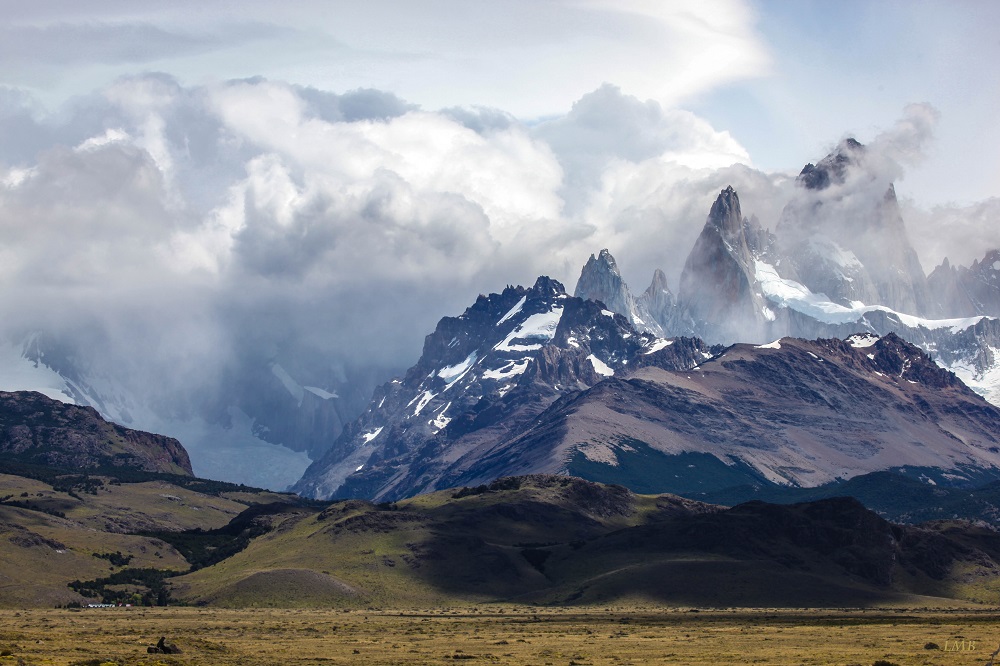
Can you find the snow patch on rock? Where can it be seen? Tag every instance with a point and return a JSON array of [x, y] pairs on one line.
[[600, 367]]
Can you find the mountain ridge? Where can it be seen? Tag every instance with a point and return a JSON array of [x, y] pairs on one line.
[[488, 371]]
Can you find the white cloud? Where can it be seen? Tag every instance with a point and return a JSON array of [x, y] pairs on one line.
[[505, 172], [261, 202], [607, 128], [903, 146]]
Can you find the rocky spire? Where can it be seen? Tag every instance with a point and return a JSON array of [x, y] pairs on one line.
[[718, 296], [832, 169], [725, 214], [658, 300], [601, 281]]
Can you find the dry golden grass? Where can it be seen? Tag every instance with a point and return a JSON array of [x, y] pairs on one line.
[[500, 635]]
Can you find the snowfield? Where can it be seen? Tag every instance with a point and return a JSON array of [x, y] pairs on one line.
[[513, 311], [790, 294], [511, 369], [453, 373], [541, 326], [986, 384]]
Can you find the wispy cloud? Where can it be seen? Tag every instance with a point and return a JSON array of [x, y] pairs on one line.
[[62, 44]]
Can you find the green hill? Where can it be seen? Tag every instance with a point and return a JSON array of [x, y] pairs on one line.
[[57, 526], [536, 539], [559, 540]]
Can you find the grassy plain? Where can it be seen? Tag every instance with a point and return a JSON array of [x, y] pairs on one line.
[[614, 635]]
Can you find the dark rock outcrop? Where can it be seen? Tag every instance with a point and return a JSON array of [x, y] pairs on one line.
[[39, 430], [163, 647]]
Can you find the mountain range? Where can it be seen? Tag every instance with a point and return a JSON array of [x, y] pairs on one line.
[[527, 380], [849, 370], [93, 512]]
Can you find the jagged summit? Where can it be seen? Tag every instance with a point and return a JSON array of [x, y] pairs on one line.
[[990, 262], [960, 291], [601, 281], [718, 294], [659, 283], [851, 244], [725, 214], [605, 256], [659, 301], [547, 286], [832, 168]]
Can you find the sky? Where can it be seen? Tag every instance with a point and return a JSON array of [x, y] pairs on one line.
[[229, 180]]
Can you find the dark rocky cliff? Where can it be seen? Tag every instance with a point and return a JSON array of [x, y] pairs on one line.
[[38, 430]]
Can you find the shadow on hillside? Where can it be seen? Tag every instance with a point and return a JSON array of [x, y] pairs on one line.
[[830, 553]]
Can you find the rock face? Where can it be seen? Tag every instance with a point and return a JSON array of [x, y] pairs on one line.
[[658, 300], [39, 430], [289, 412], [483, 376], [718, 296]]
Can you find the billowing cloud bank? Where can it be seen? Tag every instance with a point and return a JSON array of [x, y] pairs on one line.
[[289, 214]]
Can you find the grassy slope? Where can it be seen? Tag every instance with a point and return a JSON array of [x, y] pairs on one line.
[[551, 540], [429, 550], [41, 552], [543, 543]]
